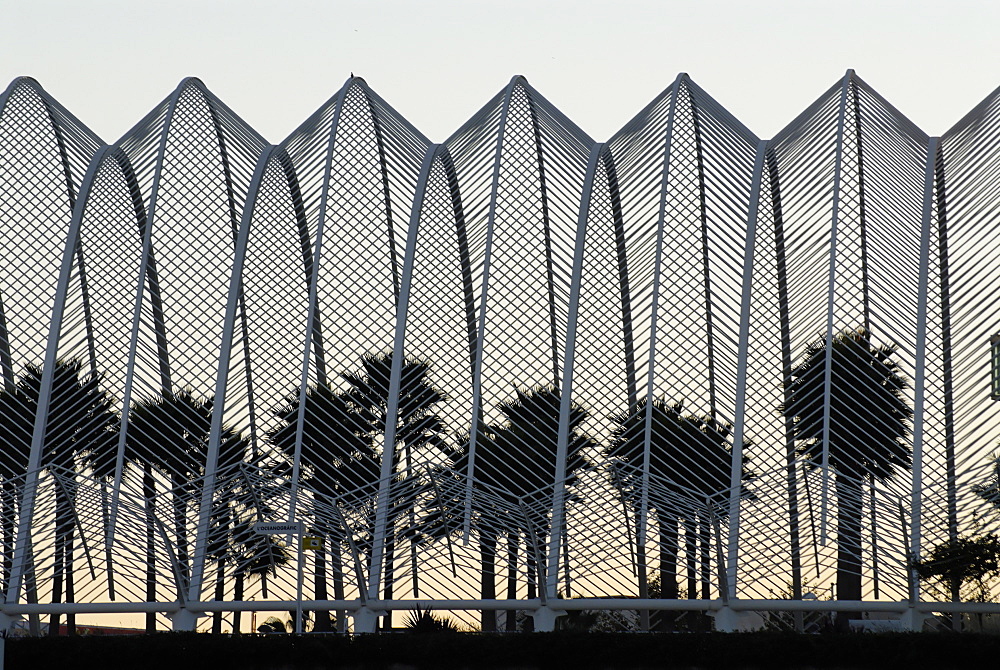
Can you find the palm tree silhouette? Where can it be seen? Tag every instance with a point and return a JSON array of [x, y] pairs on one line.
[[79, 422], [341, 457], [337, 458], [419, 443], [255, 556], [515, 464], [168, 433], [690, 463], [869, 421], [231, 502], [17, 418], [254, 488]]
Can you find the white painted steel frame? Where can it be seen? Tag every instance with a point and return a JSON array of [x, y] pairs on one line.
[[945, 309]]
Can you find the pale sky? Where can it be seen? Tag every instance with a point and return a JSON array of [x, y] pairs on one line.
[[438, 61]]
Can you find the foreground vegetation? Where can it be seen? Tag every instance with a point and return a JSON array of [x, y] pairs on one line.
[[543, 651]]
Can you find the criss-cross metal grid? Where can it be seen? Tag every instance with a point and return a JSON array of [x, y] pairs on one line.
[[685, 370]]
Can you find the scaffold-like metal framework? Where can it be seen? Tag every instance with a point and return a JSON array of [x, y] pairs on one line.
[[685, 378]]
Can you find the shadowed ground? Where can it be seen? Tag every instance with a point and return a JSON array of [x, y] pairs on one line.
[[513, 652]]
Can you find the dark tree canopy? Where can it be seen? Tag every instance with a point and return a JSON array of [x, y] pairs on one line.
[[964, 559], [518, 456], [869, 413], [691, 453], [79, 426]]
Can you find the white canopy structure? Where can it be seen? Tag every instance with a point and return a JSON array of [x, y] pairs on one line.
[[684, 370]]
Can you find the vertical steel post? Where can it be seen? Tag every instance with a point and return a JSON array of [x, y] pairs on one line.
[[233, 307], [28, 495], [477, 365], [739, 427], [392, 402], [831, 299], [921, 362], [653, 324], [566, 392]]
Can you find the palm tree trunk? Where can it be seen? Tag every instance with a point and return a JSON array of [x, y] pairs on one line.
[[794, 542], [106, 524], [691, 565], [7, 510], [63, 511], [956, 617], [239, 584], [70, 590], [414, 570], [690, 549], [30, 578], [568, 576], [337, 568], [642, 577], [532, 570], [487, 576], [667, 527], [705, 540], [180, 531], [56, 586], [220, 595], [148, 493], [390, 572], [31, 588], [705, 569], [849, 514], [322, 617], [513, 540]]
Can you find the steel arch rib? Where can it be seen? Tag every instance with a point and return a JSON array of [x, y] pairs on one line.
[[302, 226], [461, 233], [81, 268], [392, 405], [235, 217], [147, 273], [116, 154], [547, 236], [386, 199], [44, 394], [651, 364], [566, 392], [21, 552], [623, 274], [313, 316], [234, 304], [831, 299], [477, 365]]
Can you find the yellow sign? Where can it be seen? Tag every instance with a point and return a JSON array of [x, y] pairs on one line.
[[312, 543]]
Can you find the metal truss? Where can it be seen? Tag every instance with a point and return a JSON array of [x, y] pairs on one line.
[[513, 375]]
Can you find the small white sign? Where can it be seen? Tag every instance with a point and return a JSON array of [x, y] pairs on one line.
[[278, 527]]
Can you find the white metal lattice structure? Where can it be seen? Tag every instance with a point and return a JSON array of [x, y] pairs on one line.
[[517, 372]]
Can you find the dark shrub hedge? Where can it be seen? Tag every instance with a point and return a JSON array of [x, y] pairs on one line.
[[190, 651]]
